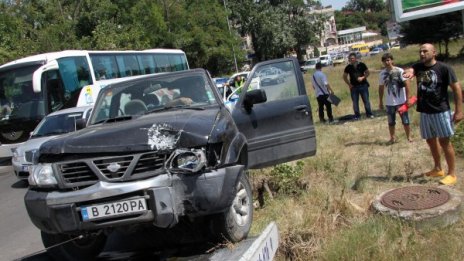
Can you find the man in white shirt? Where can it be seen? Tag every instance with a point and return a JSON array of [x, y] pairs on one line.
[[391, 78], [322, 88]]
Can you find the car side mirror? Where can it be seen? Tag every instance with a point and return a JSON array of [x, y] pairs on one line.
[[80, 124], [254, 97]]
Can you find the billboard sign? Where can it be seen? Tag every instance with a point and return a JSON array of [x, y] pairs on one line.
[[406, 10]]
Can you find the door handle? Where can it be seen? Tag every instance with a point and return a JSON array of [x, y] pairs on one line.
[[301, 108]]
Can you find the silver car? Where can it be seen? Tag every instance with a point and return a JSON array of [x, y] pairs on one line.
[[53, 125]]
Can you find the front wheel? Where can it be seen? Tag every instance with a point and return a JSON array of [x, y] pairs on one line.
[[87, 248], [235, 223]]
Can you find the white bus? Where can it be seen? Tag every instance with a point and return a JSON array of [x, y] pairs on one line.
[[35, 86]]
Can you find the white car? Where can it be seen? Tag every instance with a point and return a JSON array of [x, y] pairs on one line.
[[309, 64], [271, 76], [326, 60], [375, 51], [53, 125]]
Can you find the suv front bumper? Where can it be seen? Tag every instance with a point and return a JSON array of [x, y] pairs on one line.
[[168, 197]]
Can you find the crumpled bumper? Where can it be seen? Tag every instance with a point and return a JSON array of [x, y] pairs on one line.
[[168, 197]]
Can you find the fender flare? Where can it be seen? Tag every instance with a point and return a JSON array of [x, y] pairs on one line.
[[237, 150]]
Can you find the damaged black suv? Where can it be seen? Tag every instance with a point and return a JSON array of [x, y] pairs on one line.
[[165, 149]]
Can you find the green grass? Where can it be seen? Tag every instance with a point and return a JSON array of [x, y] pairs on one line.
[[330, 217]]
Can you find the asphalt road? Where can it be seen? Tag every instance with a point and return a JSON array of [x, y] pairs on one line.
[[19, 236]]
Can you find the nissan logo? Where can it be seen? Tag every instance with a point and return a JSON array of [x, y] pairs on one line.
[[113, 167]]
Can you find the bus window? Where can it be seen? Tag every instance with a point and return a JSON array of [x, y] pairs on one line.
[[104, 66], [17, 100], [147, 63], [178, 62], [54, 90], [75, 74], [162, 63], [128, 65]]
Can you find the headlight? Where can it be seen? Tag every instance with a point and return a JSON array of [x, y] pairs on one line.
[[187, 160], [15, 157], [41, 175]]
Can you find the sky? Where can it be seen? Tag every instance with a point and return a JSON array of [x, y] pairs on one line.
[[336, 4]]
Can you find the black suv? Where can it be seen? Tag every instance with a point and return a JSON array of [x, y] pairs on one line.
[[163, 150]]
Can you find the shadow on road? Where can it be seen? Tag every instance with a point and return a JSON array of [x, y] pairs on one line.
[[20, 184]]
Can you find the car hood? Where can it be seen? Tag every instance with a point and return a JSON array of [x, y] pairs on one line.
[[162, 131], [33, 144]]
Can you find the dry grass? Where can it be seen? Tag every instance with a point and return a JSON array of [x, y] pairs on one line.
[[330, 219]]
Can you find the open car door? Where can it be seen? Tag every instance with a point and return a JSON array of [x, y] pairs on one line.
[[274, 114]]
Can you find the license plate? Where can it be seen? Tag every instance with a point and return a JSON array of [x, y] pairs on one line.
[[25, 168], [114, 209]]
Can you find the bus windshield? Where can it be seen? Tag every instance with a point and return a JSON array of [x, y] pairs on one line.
[[17, 99]]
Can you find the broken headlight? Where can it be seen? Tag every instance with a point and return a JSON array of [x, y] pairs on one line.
[[41, 175], [187, 160]]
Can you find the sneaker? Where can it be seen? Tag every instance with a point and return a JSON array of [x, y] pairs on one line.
[[448, 180], [370, 116], [435, 173]]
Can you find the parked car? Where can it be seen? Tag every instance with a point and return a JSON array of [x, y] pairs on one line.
[[326, 60], [384, 47], [53, 125], [309, 64], [180, 168], [271, 76], [375, 51], [339, 59]]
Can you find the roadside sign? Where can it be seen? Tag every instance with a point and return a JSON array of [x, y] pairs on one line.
[[405, 10]]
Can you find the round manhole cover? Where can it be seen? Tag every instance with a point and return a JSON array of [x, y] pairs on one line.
[[415, 198]]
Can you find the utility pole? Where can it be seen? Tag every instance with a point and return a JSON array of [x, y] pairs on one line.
[[228, 26]]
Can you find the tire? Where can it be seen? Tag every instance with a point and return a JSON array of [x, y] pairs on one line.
[[234, 224], [87, 248]]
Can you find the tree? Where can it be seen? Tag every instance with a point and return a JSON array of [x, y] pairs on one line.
[[275, 27], [375, 21], [365, 5], [441, 29]]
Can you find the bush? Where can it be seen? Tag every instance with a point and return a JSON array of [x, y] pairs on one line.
[[286, 178]]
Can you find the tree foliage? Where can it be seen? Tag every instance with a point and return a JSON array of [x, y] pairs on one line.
[[277, 27], [441, 29], [370, 13], [200, 28], [365, 5]]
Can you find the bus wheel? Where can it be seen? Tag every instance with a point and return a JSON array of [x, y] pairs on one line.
[[87, 248]]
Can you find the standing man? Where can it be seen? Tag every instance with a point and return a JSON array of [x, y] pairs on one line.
[[358, 85], [397, 94], [322, 88], [436, 120]]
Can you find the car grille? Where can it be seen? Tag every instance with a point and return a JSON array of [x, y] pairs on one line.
[[86, 172], [77, 173], [121, 163]]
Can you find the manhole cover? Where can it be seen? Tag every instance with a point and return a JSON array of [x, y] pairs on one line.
[[415, 198]]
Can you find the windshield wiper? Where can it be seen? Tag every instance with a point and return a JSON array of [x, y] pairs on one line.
[[165, 108]]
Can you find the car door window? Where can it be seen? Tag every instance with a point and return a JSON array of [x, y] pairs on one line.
[[277, 79]]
